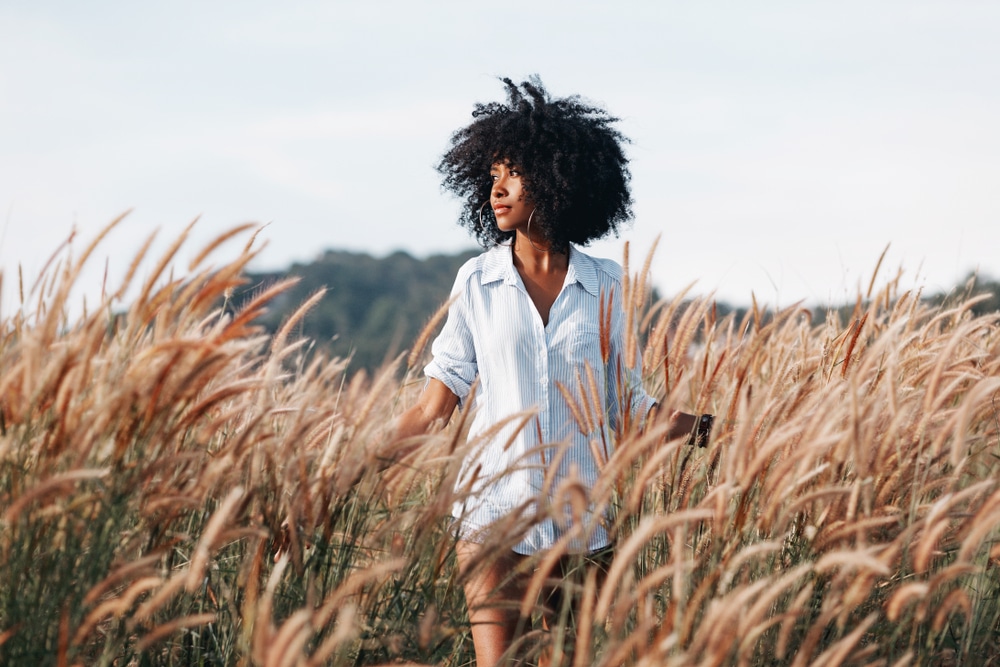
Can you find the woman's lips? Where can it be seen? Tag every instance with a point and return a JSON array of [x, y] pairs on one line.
[[500, 210]]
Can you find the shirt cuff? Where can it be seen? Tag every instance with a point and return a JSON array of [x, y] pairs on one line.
[[454, 382]]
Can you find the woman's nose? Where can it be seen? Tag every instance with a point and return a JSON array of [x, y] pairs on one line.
[[500, 186]]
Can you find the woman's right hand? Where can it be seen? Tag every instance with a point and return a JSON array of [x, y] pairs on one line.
[[433, 408]]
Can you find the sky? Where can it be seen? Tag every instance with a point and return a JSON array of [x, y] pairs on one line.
[[778, 148]]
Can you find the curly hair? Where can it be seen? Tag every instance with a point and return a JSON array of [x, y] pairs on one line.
[[572, 161]]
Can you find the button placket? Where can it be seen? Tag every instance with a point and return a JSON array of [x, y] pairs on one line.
[[542, 362]]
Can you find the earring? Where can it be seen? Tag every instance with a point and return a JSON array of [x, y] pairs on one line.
[[528, 233], [482, 224]]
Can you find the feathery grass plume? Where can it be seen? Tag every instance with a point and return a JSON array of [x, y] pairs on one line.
[[117, 606], [642, 280], [797, 610], [958, 601], [426, 333], [136, 262], [207, 541], [604, 312], [628, 303], [648, 473], [287, 644], [583, 649], [594, 396], [168, 592], [138, 568], [589, 408], [166, 629], [656, 355], [616, 583], [278, 341], [220, 239], [147, 292], [264, 625], [839, 652], [345, 631], [854, 332], [738, 619], [834, 518], [543, 571], [575, 407], [46, 492], [987, 520]]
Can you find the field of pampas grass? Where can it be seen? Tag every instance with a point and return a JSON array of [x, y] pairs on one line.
[[177, 488]]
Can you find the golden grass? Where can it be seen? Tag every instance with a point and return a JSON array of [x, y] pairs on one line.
[[846, 512]]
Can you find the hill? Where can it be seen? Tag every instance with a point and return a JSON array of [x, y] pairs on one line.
[[374, 308]]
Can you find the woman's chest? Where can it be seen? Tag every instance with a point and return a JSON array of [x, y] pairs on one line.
[[509, 331]]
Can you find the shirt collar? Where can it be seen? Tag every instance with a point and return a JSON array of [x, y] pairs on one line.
[[582, 270], [499, 265]]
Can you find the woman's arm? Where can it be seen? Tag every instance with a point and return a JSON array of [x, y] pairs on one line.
[[680, 423], [434, 407], [696, 427], [436, 403]]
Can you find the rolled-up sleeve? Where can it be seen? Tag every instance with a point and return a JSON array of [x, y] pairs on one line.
[[453, 351]]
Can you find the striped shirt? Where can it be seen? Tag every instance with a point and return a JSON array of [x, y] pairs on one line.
[[494, 334]]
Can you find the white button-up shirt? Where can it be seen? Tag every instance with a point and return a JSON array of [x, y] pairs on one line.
[[495, 334]]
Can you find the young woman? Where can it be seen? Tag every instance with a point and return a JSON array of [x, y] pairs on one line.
[[539, 177]]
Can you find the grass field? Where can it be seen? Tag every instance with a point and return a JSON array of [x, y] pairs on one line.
[[178, 489]]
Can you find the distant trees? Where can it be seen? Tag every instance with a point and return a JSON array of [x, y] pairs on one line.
[[375, 308], [974, 285]]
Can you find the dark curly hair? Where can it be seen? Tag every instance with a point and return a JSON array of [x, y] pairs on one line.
[[571, 158]]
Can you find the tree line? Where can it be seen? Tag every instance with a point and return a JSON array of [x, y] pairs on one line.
[[374, 308]]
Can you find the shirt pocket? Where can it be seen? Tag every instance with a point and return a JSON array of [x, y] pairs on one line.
[[588, 339], [589, 390], [587, 352]]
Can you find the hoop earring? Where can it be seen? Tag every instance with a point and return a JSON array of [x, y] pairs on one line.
[[482, 223], [528, 233]]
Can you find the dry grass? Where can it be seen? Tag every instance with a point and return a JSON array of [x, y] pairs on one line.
[[846, 512]]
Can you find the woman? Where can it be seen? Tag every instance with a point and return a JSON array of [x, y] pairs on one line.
[[539, 177]]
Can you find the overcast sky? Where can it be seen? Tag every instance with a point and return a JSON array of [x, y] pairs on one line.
[[778, 147]]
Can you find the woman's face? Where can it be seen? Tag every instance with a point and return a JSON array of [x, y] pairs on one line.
[[511, 204]]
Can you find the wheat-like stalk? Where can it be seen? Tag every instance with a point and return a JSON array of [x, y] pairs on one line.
[[177, 488]]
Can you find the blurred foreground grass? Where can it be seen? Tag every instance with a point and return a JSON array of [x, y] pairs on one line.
[[847, 511]]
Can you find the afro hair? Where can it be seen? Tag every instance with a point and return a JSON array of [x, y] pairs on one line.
[[571, 157]]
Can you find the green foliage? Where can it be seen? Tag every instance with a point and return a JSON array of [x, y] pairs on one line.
[[373, 307], [984, 290]]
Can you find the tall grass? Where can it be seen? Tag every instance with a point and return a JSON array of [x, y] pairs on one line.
[[177, 488]]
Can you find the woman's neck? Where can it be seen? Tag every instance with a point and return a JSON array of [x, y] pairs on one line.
[[542, 273], [532, 255]]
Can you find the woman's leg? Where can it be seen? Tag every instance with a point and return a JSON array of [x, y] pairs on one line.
[[494, 588], [570, 571]]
